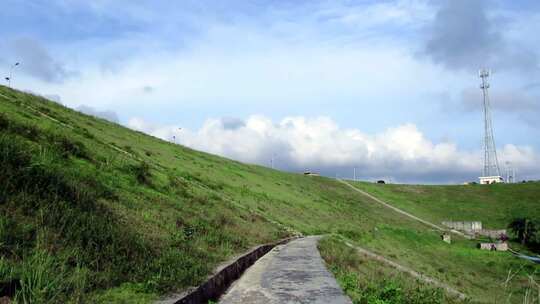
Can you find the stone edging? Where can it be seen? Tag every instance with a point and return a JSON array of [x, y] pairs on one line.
[[218, 283]]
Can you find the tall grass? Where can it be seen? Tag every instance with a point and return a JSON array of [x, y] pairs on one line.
[[42, 279], [46, 196], [345, 263], [531, 290]]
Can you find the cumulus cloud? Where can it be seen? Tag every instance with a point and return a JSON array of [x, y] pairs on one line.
[[465, 35], [36, 61], [401, 153], [107, 115]]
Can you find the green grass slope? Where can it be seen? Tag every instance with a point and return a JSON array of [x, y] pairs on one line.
[[91, 211], [494, 205]]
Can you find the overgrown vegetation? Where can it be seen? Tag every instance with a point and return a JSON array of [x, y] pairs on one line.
[[61, 235]]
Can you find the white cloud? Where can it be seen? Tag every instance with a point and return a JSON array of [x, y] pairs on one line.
[[402, 153]]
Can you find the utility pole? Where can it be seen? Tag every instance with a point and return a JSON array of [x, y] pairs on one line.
[[11, 73], [354, 174]]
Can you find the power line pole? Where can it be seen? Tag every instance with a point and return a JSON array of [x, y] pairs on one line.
[[354, 174]]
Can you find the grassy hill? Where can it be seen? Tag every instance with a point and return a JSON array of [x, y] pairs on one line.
[[91, 211], [495, 205]]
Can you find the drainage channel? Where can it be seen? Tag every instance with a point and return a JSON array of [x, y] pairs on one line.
[[224, 276]]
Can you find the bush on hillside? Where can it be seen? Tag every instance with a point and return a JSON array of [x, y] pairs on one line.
[[142, 173], [67, 147], [525, 229]]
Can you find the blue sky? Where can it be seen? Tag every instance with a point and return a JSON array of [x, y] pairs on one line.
[[364, 71]]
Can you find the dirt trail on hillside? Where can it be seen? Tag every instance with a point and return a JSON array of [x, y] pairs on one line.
[[387, 205], [395, 265], [415, 274]]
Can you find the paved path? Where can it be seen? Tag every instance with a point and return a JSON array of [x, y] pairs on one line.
[[290, 273]]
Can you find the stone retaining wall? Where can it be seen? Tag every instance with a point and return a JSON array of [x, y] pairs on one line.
[[494, 234], [464, 226]]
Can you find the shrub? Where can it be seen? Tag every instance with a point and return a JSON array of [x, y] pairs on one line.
[[4, 122], [142, 173], [525, 230]]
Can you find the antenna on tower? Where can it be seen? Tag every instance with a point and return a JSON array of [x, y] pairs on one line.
[[491, 172]]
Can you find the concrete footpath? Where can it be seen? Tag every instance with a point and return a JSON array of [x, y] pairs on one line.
[[290, 273]]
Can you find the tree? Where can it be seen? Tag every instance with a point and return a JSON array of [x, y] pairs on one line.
[[524, 228]]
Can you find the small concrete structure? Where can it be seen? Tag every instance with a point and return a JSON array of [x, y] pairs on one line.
[[494, 246], [487, 180], [446, 238], [475, 229], [464, 226], [309, 173]]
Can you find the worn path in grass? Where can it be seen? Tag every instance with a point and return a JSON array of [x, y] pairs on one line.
[[387, 205], [290, 273], [421, 277]]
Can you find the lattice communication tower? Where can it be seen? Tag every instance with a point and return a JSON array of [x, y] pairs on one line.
[[491, 163]]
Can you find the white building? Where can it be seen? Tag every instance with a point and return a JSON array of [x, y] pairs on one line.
[[486, 180]]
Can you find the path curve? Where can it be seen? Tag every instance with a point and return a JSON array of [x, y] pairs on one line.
[[290, 273]]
